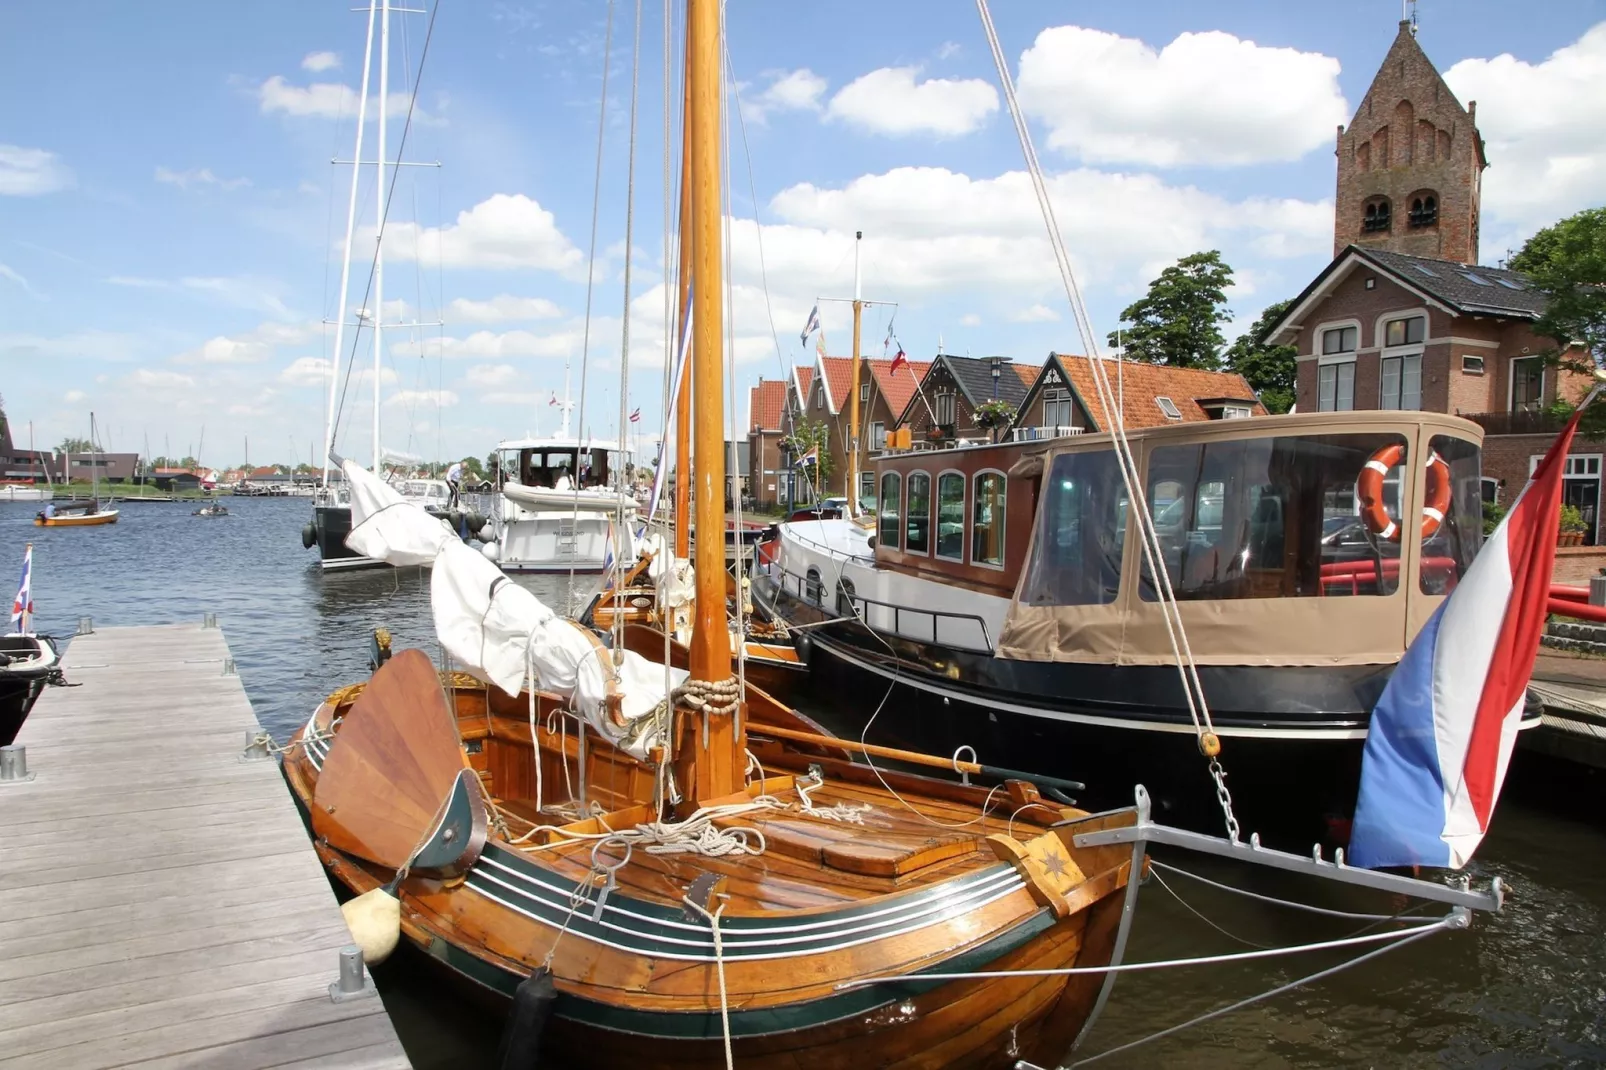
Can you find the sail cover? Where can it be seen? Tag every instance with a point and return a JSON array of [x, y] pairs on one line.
[[497, 630]]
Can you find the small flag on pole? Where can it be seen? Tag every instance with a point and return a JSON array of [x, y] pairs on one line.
[[554, 400], [1443, 729], [22, 605], [635, 417], [811, 326], [899, 361], [819, 344], [811, 457]]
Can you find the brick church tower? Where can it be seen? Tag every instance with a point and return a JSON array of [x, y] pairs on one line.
[[1410, 165]]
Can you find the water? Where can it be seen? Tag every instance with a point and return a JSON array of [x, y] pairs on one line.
[[1526, 988]]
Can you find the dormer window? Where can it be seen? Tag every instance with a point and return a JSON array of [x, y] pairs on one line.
[[1376, 216], [1424, 210]]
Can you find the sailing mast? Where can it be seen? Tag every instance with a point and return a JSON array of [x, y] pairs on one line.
[[719, 741], [683, 391], [852, 489], [381, 209]]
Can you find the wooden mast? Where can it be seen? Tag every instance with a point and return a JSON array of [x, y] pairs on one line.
[[852, 489], [719, 744], [683, 413]]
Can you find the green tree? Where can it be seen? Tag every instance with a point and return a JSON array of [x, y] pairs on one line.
[[1566, 262], [75, 445], [1178, 322], [1270, 369], [804, 437], [472, 466]]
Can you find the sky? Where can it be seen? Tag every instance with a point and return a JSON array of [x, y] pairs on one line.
[[172, 227]]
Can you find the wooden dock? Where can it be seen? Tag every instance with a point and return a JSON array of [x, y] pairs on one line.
[[160, 903]]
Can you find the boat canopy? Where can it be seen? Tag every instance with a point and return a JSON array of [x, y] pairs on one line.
[[500, 632], [1277, 551]]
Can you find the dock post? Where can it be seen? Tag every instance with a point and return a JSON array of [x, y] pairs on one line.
[[14, 763], [86, 626], [353, 982], [256, 746], [209, 620], [228, 667]]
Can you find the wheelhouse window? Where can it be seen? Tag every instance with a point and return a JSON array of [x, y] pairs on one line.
[[1527, 383], [987, 520], [1454, 478], [867, 500], [1402, 382], [1057, 408], [917, 537], [951, 516], [1287, 517], [1076, 549], [887, 533], [1335, 379]]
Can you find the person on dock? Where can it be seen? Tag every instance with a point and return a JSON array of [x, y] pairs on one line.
[[454, 481]]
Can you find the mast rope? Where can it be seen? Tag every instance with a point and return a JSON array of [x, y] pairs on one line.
[[1176, 632], [719, 968], [622, 534]]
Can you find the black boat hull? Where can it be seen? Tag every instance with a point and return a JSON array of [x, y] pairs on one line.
[[20, 687]]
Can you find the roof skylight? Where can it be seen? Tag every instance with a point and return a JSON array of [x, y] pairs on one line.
[[1470, 277], [1168, 407]]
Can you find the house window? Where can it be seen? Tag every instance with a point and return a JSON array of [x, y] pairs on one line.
[[1339, 340], [1489, 488], [1402, 382], [1527, 383], [1405, 332], [878, 435], [1236, 412], [864, 393], [1057, 408], [1424, 210], [951, 516], [1375, 215], [987, 520], [891, 490], [1168, 407], [819, 399], [945, 408], [1471, 365], [918, 526], [1336, 387]]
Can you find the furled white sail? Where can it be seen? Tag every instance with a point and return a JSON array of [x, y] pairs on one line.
[[496, 629]]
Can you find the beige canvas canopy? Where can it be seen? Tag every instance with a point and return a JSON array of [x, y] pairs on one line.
[[1253, 629]]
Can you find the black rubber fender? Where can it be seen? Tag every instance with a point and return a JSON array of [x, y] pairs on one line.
[[309, 535]]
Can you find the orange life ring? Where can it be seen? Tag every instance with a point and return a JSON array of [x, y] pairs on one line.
[[1369, 493]]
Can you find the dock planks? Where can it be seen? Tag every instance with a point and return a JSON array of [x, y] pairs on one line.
[[160, 904]]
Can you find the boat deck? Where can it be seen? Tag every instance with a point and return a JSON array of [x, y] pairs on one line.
[[160, 902]]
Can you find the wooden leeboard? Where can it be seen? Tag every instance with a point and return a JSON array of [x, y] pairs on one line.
[[160, 902]]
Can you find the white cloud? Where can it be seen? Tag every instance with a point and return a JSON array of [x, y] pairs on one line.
[[314, 371], [1543, 124], [200, 177], [891, 101], [7, 272], [501, 308], [949, 49], [159, 380], [236, 291], [320, 61], [72, 397], [503, 231], [799, 90], [1205, 98], [1035, 314], [491, 375], [31, 172], [441, 399], [328, 100], [970, 319]]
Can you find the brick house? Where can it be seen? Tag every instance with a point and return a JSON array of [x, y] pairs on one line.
[[766, 423], [884, 394], [1403, 318], [943, 410], [1064, 398]]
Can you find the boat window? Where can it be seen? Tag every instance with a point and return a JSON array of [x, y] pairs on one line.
[[987, 524], [812, 587], [845, 598], [951, 516], [1081, 525], [1448, 552], [1275, 517], [918, 540], [891, 497]]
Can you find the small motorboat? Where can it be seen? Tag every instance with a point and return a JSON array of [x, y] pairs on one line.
[[27, 664], [212, 509], [84, 516]]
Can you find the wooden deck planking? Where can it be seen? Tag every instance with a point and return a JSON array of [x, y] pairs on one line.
[[160, 904]]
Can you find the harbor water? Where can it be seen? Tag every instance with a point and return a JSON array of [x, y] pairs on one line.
[[1526, 988]]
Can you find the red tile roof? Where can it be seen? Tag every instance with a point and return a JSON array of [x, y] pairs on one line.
[[838, 380], [1141, 384], [765, 404], [899, 388]]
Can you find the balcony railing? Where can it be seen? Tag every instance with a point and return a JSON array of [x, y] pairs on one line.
[[1520, 422], [1035, 434]]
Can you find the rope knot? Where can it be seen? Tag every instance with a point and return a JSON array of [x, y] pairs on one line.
[[711, 696]]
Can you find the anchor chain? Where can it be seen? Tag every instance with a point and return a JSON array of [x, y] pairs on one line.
[[1224, 797]]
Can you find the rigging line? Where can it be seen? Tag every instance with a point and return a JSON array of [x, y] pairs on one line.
[[1196, 912], [733, 478], [1272, 899], [591, 284], [671, 283], [619, 562], [401, 148]]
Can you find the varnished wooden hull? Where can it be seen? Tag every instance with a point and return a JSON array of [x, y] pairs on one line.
[[639, 986]]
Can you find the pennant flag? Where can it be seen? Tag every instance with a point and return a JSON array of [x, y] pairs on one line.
[[888, 340], [811, 326], [1443, 730], [22, 605], [554, 400], [635, 417], [819, 344], [811, 457], [607, 552], [899, 360]]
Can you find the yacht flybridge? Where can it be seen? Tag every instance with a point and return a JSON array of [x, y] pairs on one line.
[[559, 507], [1003, 591]]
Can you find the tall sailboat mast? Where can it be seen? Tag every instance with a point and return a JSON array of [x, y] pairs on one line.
[[381, 207], [345, 266], [852, 489], [683, 392], [720, 743]]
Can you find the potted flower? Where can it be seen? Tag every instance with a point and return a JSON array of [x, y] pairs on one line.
[[994, 415], [1570, 527]]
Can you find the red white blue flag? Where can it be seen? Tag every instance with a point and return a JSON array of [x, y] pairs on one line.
[[22, 605], [1442, 733]]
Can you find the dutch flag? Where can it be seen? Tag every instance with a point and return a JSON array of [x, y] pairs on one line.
[[22, 605], [812, 325], [1443, 730]]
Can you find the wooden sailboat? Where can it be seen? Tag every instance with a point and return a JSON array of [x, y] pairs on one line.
[[81, 516], [732, 890]]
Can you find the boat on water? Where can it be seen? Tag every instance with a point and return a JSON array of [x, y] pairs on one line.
[[559, 507], [28, 662], [92, 513], [1004, 598], [25, 492], [212, 509], [331, 522]]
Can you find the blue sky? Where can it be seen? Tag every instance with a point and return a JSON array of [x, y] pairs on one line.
[[170, 224]]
